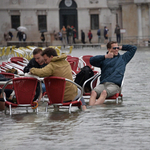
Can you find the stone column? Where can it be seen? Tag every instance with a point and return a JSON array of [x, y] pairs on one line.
[[149, 17], [113, 23], [139, 12]]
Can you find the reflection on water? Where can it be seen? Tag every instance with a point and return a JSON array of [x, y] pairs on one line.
[[110, 126]]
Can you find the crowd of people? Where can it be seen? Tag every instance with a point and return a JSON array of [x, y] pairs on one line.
[[68, 35], [99, 35], [22, 36], [8, 36], [112, 64]]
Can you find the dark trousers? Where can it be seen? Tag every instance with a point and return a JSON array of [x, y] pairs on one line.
[[74, 40], [118, 37], [83, 40], [89, 40]]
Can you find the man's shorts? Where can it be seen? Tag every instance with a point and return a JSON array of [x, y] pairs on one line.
[[110, 88]]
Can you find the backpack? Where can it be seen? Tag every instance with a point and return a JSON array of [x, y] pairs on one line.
[[13, 70], [85, 73], [99, 32], [91, 35]]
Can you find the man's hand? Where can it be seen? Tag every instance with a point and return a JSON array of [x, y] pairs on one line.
[[109, 55]]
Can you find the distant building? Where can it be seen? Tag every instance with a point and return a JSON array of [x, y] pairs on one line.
[[131, 15]]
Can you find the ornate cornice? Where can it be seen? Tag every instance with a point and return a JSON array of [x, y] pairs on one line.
[[14, 1], [113, 5], [40, 2]]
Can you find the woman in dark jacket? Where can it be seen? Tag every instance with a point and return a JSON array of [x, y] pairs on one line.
[[82, 37], [90, 36], [42, 37]]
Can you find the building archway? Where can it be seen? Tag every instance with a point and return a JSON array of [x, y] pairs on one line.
[[68, 14]]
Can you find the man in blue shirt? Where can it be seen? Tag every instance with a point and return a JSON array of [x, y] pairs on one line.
[[112, 71]]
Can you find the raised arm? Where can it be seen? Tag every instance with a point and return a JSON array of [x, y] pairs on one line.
[[130, 52]]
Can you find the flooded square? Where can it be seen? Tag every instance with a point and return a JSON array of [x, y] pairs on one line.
[[110, 126]]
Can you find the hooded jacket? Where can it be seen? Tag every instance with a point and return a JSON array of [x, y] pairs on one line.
[[112, 69], [61, 68]]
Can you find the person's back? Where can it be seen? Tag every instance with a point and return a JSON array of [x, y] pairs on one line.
[[117, 30], [90, 35], [63, 69], [98, 32]]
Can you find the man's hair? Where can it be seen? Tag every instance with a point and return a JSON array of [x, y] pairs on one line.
[[49, 52], [36, 51], [110, 43]]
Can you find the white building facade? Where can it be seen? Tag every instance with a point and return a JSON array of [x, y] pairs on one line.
[[132, 15]]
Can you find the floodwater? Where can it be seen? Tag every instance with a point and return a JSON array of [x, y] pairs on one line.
[[123, 126]]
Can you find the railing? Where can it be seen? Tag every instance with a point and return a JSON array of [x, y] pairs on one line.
[[143, 41]]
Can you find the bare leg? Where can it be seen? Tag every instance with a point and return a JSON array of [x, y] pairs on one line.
[[1, 96], [102, 98], [40, 97], [93, 98]]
